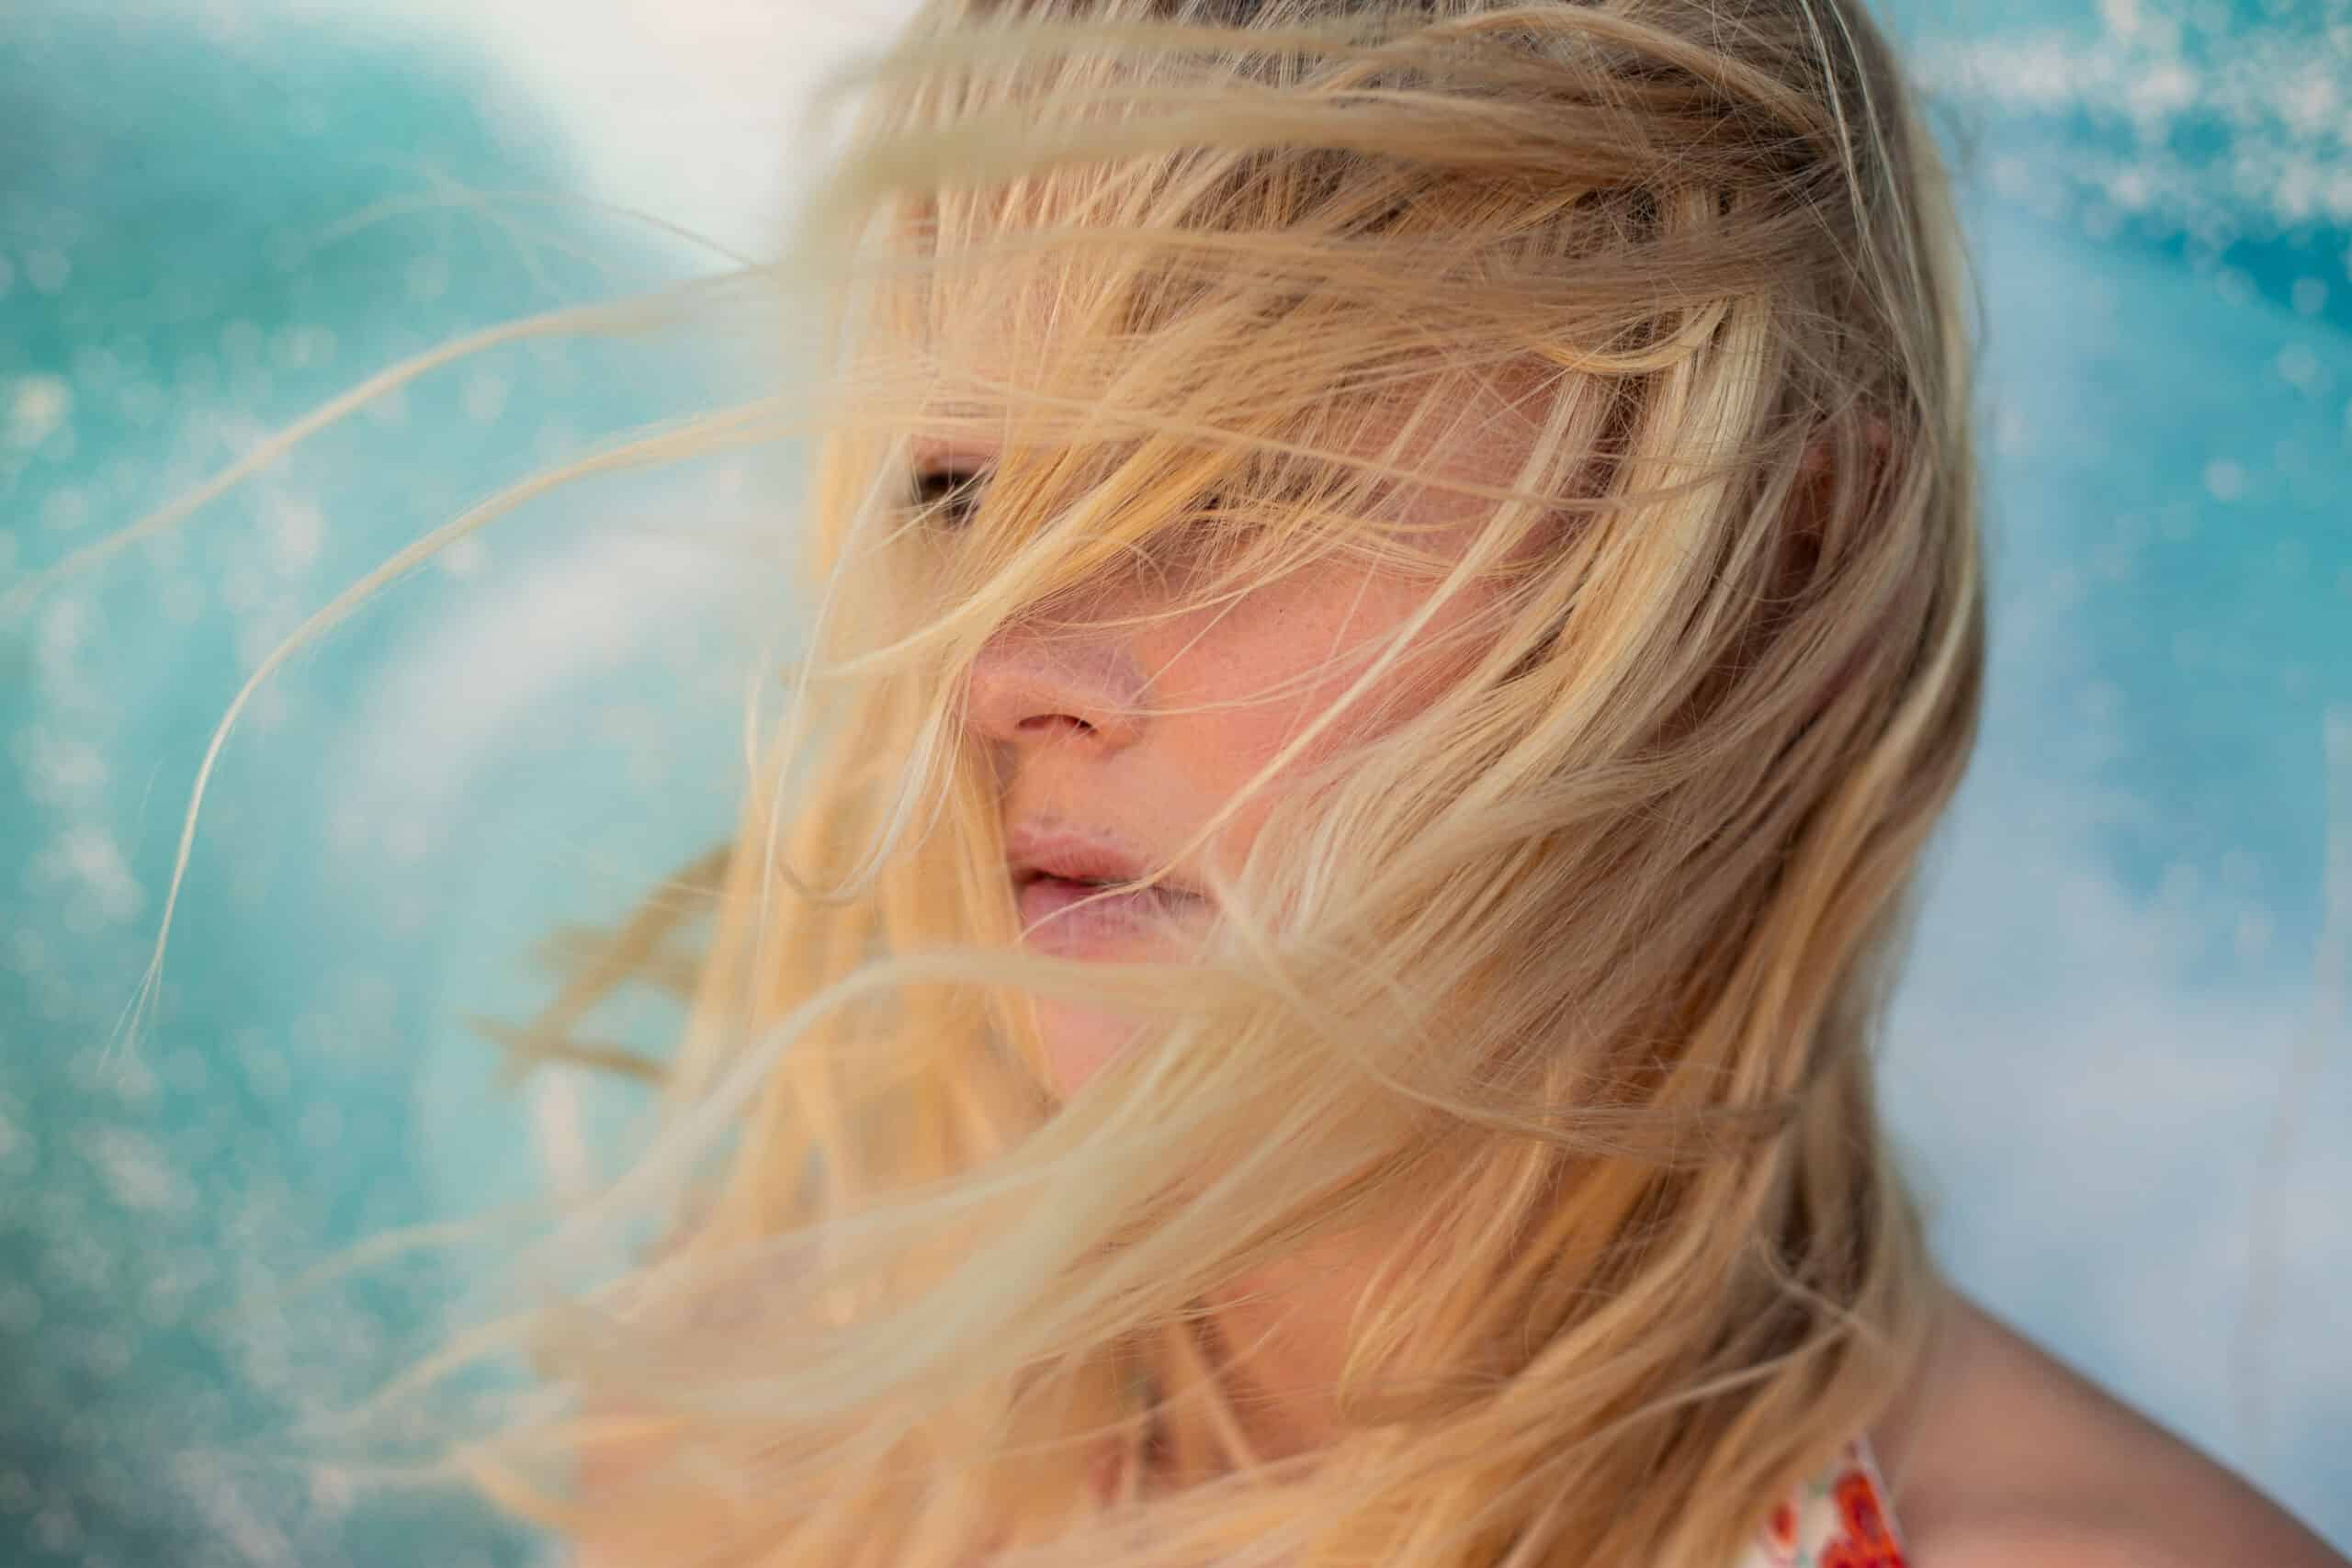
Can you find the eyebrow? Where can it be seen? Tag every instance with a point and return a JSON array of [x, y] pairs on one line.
[[931, 453]]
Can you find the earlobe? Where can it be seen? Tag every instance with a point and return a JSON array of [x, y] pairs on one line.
[[1852, 456], [1820, 460]]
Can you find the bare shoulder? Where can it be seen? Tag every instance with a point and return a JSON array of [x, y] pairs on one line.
[[2001, 1455]]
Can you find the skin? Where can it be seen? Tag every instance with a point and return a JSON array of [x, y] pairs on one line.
[[1134, 734], [1134, 740]]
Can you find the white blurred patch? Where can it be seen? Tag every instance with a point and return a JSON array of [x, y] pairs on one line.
[[688, 110], [137, 1175], [2128, 1160], [443, 708], [35, 406], [82, 867], [691, 110]]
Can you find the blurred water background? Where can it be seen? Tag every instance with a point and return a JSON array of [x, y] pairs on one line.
[[2122, 1061]]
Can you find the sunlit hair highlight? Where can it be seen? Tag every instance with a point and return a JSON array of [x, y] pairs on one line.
[[1560, 977]]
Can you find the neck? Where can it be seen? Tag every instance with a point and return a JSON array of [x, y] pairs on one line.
[[1275, 1340]]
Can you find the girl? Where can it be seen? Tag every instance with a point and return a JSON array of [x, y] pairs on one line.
[[1398, 592]]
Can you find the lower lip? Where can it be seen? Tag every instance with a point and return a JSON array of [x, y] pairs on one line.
[[1079, 918]]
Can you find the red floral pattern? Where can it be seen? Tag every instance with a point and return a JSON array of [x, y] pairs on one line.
[[1840, 1520], [1869, 1540], [1780, 1532]]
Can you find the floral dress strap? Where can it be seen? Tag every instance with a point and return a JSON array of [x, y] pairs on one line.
[[1838, 1519]]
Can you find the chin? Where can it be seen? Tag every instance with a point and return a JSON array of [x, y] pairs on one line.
[[1077, 1041]]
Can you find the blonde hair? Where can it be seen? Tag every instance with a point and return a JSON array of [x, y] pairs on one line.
[[1566, 981]]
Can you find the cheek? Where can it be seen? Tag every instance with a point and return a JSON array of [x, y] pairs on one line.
[[1078, 1040], [1244, 684]]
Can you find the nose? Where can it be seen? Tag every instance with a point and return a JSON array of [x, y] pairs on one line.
[[1030, 688]]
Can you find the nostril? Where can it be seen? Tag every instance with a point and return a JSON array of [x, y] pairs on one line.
[[1026, 691], [1047, 724]]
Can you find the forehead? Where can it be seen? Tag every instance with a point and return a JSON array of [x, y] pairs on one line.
[[1028, 328]]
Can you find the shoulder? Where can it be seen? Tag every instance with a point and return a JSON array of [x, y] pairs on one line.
[[2000, 1455], [2055, 1542]]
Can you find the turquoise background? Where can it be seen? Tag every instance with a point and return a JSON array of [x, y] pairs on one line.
[[2120, 1064]]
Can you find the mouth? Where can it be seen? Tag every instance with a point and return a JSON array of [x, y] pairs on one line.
[[1080, 895]]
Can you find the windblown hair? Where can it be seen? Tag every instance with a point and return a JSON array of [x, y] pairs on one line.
[[1563, 981]]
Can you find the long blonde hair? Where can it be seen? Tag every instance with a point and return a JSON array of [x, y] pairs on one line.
[[1566, 981]]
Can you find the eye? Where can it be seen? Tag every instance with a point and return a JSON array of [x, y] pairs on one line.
[[945, 497]]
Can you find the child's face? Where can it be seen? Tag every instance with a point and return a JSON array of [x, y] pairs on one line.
[[1115, 742]]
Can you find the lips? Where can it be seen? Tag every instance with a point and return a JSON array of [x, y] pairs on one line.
[[1070, 889]]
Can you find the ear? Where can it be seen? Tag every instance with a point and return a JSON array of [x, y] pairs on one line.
[[1820, 460], [1852, 456]]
